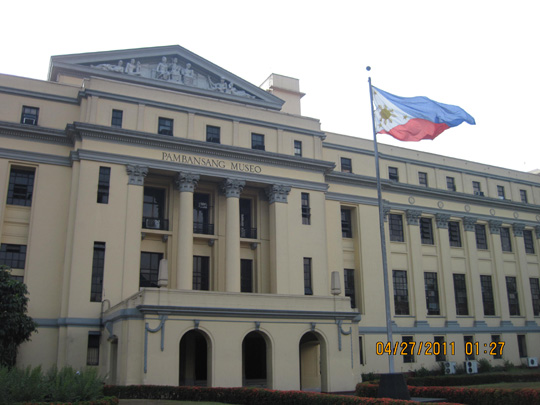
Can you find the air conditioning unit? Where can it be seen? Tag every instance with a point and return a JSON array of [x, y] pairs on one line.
[[471, 367], [480, 193], [151, 223], [532, 361], [449, 367], [29, 121]]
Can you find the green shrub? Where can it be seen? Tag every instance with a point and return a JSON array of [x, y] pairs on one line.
[[484, 366], [369, 377]]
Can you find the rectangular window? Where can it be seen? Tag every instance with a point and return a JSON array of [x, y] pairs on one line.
[[408, 357], [21, 186], [500, 192], [422, 179], [477, 189], [468, 342], [165, 126], [149, 271], [349, 286], [454, 234], [432, 293], [401, 292], [346, 223], [154, 209], [460, 294], [308, 290], [257, 141], [306, 210], [395, 224], [361, 349], [29, 115], [496, 339], [103, 185], [116, 118], [523, 195], [202, 214], [450, 183], [98, 267], [247, 223], [246, 275], [487, 295], [535, 294], [438, 348], [529, 241], [13, 256], [480, 234], [346, 165], [201, 273], [213, 134], [426, 231], [92, 351], [513, 299], [522, 345], [393, 173], [506, 243], [297, 148]]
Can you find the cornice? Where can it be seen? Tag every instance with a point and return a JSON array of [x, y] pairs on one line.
[[35, 133], [35, 157], [39, 95]]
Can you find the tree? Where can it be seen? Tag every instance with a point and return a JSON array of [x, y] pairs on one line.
[[15, 326]]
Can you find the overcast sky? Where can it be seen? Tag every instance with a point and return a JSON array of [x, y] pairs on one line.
[[480, 55]]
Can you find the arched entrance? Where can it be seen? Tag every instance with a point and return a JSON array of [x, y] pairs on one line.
[[312, 363], [194, 359], [256, 370]]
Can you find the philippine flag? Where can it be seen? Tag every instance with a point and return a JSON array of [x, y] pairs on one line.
[[414, 118]]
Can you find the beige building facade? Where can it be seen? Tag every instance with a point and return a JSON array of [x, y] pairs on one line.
[[177, 225]]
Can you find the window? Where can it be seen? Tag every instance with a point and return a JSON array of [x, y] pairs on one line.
[[154, 209], [165, 126], [297, 148], [393, 173], [408, 357], [346, 165], [346, 223], [506, 243], [496, 339], [454, 234], [247, 228], [13, 256], [149, 271], [426, 231], [92, 351], [29, 115], [500, 192], [487, 295], [460, 294], [116, 119], [450, 183], [422, 179], [213, 134], [202, 214], [361, 349], [535, 294], [395, 225], [513, 299], [481, 239], [522, 345], [477, 190], [257, 141], [523, 195], [201, 273], [432, 293], [438, 348], [308, 290], [246, 275], [469, 347], [349, 286], [401, 292], [103, 185], [529, 241], [21, 186], [306, 210], [98, 266]]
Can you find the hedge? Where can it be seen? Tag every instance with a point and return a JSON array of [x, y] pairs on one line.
[[471, 379], [102, 401]]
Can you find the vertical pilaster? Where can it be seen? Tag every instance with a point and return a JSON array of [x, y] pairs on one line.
[[500, 279], [416, 273], [525, 302], [471, 253], [232, 189], [447, 276], [186, 183], [140, 117], [279, 238]]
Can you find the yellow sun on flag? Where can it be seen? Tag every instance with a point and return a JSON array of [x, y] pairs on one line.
[[385, 114]]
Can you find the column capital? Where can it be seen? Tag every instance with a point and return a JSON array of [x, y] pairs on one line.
[[495, 227], [469, 223], [278, 193], [518, 228], [136, 174], [442, 220], [232, 187], [186, 181], [413, 217]]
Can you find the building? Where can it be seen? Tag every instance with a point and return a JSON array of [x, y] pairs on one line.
[[177, 225]]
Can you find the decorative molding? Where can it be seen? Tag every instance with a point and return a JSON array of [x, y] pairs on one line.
[[413, 217], [232, 187], [186, 182], [495, 227], [35, 157], [386, 212], [136, 174], [537, 230], [277, 193], [442, 220], [518, 229], [469, 223]]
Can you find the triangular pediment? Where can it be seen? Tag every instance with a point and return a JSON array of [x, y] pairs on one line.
[[171, 67]]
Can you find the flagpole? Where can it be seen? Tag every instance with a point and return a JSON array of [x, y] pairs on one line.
[[383, 238]]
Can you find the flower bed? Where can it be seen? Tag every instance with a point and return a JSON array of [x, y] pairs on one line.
[[471, 379]]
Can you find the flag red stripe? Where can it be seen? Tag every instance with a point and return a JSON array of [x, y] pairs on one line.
[[416, 129]]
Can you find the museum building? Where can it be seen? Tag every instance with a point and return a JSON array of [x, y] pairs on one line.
[[177, 225]]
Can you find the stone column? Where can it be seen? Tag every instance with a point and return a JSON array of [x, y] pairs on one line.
[[232, 189], [186, 183], [473, 284], [416, 272], [132, 236], [525, 301], [279, 239], [500, 279]]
